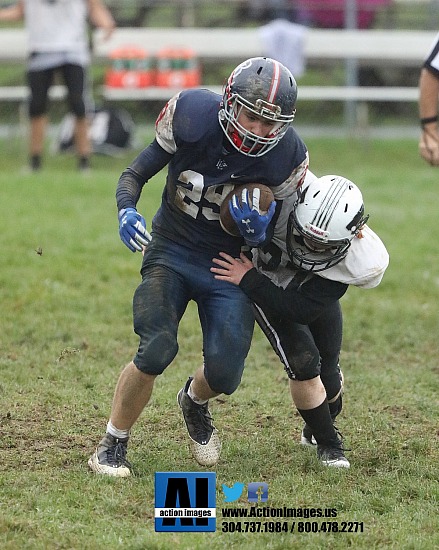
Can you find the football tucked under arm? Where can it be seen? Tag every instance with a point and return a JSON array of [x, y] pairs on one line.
[[253, 207]]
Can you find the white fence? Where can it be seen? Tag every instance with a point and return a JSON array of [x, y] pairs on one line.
[[405, 49]]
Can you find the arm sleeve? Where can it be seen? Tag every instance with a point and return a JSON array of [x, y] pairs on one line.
[[148, 163], [299, 303]]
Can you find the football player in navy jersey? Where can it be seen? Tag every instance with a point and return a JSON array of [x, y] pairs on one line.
[[320, 245], [209, 143]]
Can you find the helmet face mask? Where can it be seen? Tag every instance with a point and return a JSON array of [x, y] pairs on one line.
[[327, 215], [266, 89]]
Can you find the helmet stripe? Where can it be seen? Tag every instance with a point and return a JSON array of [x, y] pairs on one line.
[[324, 213], [275, 82]]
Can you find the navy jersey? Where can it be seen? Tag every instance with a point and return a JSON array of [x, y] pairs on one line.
[[202, 169]]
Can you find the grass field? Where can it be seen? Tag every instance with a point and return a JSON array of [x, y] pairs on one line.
[[66, 333]]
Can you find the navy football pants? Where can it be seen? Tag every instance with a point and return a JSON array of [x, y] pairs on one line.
[[172, 276]]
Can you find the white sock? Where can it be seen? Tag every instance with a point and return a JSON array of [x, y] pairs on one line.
[[118, 434], [195, 397]]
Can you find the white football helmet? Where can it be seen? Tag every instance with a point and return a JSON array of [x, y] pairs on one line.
[[327, 215]]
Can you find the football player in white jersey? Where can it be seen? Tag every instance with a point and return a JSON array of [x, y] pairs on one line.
[[321, 245]]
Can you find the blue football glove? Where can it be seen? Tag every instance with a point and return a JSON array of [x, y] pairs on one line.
[[251, 224], [132, 229]]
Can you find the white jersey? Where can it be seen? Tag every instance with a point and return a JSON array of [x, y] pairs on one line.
[[364, 265], [58, 26], [432, 59]]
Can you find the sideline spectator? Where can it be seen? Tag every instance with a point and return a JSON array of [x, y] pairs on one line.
[[428, 106], [58, 42]]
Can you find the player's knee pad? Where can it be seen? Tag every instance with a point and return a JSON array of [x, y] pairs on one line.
[[222, 378], [222, 384], [303, 364], [154, 355]]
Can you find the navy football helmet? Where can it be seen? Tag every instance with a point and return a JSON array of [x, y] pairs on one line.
[[267, 89], [327, 215]]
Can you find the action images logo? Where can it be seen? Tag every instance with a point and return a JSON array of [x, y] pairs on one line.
[[185, 501]]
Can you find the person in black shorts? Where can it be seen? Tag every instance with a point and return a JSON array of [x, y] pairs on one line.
[[58, 43]]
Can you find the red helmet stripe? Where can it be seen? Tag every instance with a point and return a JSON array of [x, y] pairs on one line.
[[275, 83]]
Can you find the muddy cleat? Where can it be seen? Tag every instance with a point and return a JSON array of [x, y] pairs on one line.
[[205, 443], [332, 456], [110, 457], [307, 438]]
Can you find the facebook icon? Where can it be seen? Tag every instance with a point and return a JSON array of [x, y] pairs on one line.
[[257, 492], [185, 501]]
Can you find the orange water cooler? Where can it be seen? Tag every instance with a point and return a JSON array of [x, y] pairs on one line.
[[131, 67], [177, 68]]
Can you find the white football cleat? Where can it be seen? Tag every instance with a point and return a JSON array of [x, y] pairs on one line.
[[110, 458], [205, 443]]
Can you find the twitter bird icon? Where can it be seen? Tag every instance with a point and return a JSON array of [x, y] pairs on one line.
[[232, 493]]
